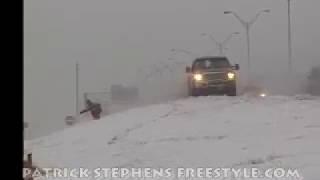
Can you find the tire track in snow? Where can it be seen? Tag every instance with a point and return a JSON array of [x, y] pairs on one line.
[[272, 158], [181, 139], [222, 103], [126, 133], [175, 106]]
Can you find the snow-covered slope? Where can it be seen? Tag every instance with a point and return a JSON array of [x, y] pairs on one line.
[[194, 132]]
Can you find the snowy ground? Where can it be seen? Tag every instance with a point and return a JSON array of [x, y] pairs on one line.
[[219, 131]]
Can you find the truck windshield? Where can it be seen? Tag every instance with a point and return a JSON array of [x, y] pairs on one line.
[[211, 63]]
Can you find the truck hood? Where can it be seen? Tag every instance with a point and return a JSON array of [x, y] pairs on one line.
[[220, 70]]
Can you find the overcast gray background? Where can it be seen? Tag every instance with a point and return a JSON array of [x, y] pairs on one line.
[[112, 39]]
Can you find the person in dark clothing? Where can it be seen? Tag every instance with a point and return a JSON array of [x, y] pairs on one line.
[[94, 108]]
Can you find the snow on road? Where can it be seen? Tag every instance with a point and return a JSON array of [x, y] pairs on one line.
[[218, 131]]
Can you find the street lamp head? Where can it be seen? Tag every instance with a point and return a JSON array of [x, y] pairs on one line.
[[236, 33], [227, 12], [203, 34]]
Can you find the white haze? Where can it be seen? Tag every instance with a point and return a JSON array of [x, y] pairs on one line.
[[122, 41]]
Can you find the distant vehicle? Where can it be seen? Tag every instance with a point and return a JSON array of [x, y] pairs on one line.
[[122, 93], [212, 75], [314, 81]]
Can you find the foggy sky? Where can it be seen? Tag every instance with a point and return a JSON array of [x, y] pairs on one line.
[[112, 39]]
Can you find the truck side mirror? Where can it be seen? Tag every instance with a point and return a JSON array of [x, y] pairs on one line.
[[188, 69], [236, 67]]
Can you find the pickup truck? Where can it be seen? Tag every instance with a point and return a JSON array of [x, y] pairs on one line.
[[212, 75]]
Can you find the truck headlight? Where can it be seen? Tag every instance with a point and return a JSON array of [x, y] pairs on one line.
[[231, 76], [263, 95], [198, 77]]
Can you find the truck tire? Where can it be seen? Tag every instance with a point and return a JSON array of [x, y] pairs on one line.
[[190, 92], [232, 91], [193, 92]]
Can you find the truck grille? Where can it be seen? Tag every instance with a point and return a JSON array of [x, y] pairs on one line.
[[215, 76]]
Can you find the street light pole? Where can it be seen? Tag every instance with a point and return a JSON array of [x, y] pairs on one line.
[[289, 39], [183, 51], [77, 92], [221, 45], [189, 53], [247, 25]]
